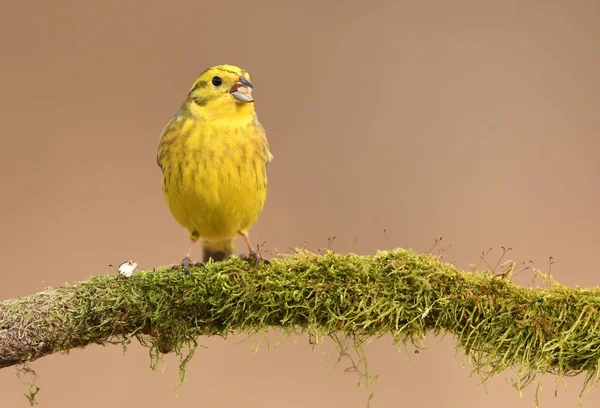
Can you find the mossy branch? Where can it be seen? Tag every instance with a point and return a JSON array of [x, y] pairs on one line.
[[401, 293]]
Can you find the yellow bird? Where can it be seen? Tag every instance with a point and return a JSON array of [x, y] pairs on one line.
[[213, 154]]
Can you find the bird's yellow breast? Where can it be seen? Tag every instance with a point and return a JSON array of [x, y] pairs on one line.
[[214, 176]]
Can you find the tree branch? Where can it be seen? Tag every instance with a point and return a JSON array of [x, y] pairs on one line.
[[498, 325]]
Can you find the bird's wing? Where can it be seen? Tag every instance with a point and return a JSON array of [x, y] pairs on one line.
[[167, 137]]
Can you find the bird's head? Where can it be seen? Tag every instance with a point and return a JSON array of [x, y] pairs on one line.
[[220, 90]]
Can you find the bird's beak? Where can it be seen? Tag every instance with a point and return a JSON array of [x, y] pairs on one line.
[[242, 90]]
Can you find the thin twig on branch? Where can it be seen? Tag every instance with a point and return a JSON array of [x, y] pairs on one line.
[[401, 293]]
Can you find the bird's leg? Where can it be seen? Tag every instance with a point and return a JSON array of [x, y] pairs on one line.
[[187, 261], [253, 254]]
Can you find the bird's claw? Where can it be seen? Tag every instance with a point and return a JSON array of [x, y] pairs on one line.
[[256, 257], [185, 265]]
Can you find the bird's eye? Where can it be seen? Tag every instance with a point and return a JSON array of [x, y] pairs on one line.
[[217, 81]]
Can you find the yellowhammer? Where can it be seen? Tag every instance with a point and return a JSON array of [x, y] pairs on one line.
[[213, 155]]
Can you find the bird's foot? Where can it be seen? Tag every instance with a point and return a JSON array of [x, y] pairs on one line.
[[256, 257], [185, 265]]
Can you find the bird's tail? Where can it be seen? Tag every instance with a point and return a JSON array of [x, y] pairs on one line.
[[217, 250]]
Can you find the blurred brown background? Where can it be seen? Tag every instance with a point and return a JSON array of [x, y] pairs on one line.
[[476, 121]]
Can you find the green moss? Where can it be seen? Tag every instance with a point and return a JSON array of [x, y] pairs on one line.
[[349, 298]]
